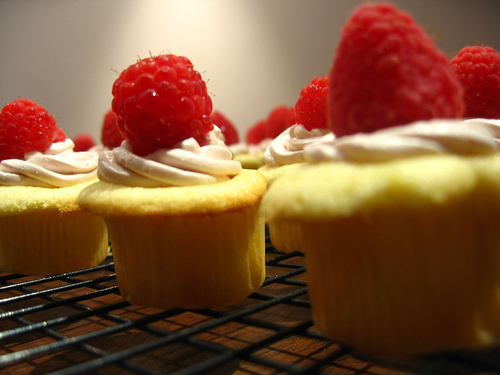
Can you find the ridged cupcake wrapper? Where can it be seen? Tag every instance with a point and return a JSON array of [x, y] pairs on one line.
[[51, 242], [203, 261], [405, 282], [285, 236]]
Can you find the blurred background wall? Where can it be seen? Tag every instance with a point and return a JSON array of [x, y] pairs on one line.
[[255, 54]]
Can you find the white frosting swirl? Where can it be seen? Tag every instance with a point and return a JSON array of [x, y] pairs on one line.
[[186, 164], [98, 149], [59, 166], [469, 137], [288, 147]]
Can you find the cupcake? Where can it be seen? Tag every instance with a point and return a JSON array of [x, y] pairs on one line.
[[398, 213], [286, 152], [251, 152], [42, 229], [183, 217], [402, 254], [261, 134]]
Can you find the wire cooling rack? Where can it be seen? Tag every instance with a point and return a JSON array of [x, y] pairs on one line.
[[77, 323]]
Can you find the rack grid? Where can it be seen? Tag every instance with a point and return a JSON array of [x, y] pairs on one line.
[[77, 323]]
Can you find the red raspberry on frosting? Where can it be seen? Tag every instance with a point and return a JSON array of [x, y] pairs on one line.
[[310, 109], [257, 133], [160, 101], [478, 69], [60, 136], [111, 136], [279, 119], [83, 142], [25, 126], [227, 128], [388, 72]]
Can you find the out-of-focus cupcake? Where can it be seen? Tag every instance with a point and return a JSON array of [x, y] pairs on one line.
[[251, 153], [412, 239], [399, 213], [261, 134], [286, 152], [42, 229]]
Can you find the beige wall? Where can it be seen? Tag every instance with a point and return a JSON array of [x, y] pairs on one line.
[[255, 54]]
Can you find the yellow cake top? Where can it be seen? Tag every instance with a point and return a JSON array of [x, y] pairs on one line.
[[250, 161], [16, 199], [245, 189], [272, 173], [335, 189]]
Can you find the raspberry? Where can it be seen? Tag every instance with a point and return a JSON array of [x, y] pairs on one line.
[[279, 119], [25, 126], [256, 133], [111, 135], [60, 137], [83, 142], [388, 72], [160, 101], [478, 69], [227, 128], [310, 109]]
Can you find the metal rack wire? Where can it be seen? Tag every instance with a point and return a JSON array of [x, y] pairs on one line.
[[77, 323]]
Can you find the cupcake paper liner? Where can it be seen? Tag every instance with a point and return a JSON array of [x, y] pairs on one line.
[[198, 261], [51, 242], [285, 236], [406, 282]]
